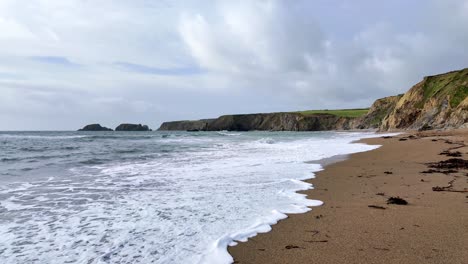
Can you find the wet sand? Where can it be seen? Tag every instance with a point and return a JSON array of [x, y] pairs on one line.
[[431, 228]]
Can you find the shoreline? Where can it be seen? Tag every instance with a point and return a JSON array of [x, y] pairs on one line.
[[346, 230]]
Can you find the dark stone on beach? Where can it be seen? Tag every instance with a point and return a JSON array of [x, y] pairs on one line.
[[291, 247], [397, 200], [94, 127], [425, 127], [132, 127], [376, 207]]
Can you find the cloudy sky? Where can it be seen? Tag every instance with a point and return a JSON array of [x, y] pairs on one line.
[[64, 64]]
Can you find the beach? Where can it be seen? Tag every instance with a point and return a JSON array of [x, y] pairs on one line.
[[357, 225]]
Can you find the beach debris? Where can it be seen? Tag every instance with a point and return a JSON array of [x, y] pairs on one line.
[[454, 163], [261, 249], [451, 154], [377, 207], [386, 137], [396, 200], [402, 139], [434, 140], [388, 172], [380, 193], [314, 232], [430, 171], [291, 247], [439, 189], [448, 188], [318, 216], [385, 249], [316, 241]]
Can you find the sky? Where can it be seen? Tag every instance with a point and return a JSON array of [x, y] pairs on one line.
[[65, 64]]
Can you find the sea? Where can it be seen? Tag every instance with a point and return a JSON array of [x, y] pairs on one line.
[[153, 197]]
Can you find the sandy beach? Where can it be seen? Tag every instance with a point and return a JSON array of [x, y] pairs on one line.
[[357, 225]]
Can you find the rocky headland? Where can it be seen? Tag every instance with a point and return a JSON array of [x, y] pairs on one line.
[[132, 127], [437, 102], [94, 127]]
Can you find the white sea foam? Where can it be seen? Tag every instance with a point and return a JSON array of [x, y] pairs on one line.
[[186, 206]]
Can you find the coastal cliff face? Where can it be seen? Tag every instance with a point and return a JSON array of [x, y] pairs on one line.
[[196, 125], [380, 109], [438, 101], [265, 122], [277, 122]]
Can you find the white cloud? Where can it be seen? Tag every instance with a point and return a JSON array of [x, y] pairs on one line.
[[195, 59]]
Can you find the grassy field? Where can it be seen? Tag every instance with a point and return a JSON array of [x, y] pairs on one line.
[[452, 83], [338, 112]]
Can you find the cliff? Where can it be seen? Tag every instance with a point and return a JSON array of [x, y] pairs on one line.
[[196, 125], [380, 109], [436, 102], [268, 122]]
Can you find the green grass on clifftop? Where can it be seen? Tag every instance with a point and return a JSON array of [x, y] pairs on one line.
[[454, 84], [338, 112]]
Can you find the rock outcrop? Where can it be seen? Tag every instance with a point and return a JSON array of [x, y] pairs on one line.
[[132, 127], [94, 127], [436, 102]]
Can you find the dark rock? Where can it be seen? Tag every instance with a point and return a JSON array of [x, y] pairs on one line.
[[377, 207], [132, 127], [397, 200], [95, 127]]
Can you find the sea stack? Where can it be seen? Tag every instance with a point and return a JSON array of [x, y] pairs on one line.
[[94, 127], [132, 127]]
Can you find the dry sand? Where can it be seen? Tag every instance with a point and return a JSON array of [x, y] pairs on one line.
[[432, 228]]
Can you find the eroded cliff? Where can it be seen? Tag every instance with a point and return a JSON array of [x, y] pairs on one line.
[[438, 101]]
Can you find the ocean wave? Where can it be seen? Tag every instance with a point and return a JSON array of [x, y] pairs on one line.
[[225, 133], [266, 141], [40, 137]]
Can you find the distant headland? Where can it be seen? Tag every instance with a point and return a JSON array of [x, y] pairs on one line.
[[437, 102]]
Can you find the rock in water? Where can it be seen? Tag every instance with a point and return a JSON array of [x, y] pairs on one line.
[[132, 127], [94, 127]]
